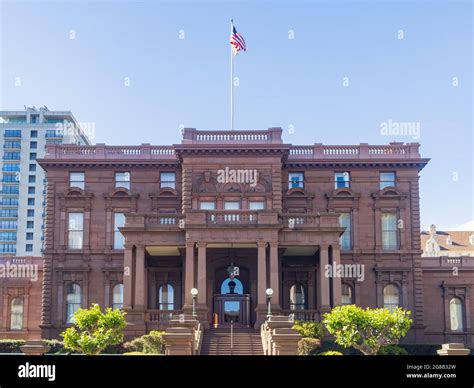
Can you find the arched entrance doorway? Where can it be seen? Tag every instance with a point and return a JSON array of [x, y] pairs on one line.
[[232, 301]]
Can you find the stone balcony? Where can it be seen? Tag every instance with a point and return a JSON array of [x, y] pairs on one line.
[[231, 219]]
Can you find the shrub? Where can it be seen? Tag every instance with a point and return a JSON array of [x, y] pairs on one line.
[[307, 346], [309, 329], [55, 346], [93, 331], [330, 353], [332, 346], [392, 350], [151, 343], [367, 329], [11, 346]]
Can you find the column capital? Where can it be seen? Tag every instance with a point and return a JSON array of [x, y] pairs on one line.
[[190, 244], [324, 246], [262, 244], [201, 244]]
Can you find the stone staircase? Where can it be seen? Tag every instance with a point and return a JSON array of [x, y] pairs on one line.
[[246, 341]]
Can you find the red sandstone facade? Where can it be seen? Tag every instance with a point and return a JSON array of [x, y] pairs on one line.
[[281, 232]]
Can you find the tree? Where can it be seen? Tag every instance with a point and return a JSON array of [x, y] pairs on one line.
[[367, 329], [93, 330]]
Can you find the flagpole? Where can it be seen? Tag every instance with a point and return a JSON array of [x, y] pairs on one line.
[[231, 79]]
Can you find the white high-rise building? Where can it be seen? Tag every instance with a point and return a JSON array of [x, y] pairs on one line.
[[23, 139]]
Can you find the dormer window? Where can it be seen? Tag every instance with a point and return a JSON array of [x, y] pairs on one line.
[[471, 239], [449, 240]]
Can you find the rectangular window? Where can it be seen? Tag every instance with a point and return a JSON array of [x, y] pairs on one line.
[[345, 239], [75, 230], [31, 202], [7, 248], [168, 179], [30, 224], [10, 190], [11, 167], [342, 179], [31, 179], [32, 155], [12, 145], [295, 179], [8, 212], [29, 248], [122, 179], [11, 156], [32, 167], [30, 213], [76, 179], [12, 133], [256, 205], [8, 236], [387, 179], [33, 145], [33, 134], [31, 190], [389, 232], [119, 222], [29, 235], [207, 205], [8, 224], [9, 178]]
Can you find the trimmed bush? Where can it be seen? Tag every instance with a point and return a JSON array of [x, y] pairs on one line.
[[151, 343], [330, 353], [308, 346], [392, 350], [11, 346], [309, 329], [328, 346], [421, 349]]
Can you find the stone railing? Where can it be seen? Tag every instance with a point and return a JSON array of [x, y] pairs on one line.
[[231, 217], [448, 262], [156, 220], [269, 136], [161, 315], [303, 315], [101, 152], [278, 336], [308, 220], [183, 337], [394, 150]]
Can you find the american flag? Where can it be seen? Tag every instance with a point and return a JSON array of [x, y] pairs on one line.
[[237, 41]]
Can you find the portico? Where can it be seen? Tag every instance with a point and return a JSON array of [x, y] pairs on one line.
[[231, 264]]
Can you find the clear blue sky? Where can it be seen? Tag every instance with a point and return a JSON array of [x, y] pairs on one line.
[[283, 82]]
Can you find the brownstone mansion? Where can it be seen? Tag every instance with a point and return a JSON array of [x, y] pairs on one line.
[[233, 214]]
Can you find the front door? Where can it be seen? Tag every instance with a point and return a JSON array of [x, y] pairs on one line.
[[232, 305]]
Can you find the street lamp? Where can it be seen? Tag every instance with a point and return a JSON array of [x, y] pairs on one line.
[[194, 294], [269, 292]]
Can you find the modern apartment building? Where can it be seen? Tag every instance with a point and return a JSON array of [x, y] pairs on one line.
[[23, 138]]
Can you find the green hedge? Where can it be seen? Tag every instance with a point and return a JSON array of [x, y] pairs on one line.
[[55, 347], [11, 346]]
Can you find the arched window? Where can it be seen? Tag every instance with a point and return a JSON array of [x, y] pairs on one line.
[[297, 297], [228, 287], [166, 297], [16, 314], [391, 297], [346, 294], [117, 297], [73, 300], [456, 314]]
